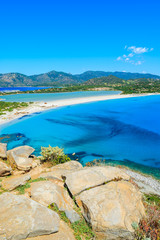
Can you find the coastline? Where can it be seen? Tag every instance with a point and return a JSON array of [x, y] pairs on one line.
[[43, 106]]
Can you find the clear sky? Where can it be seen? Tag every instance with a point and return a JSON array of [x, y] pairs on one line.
[[74, 36]]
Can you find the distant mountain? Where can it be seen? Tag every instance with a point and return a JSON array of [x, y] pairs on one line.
[[54, 77], [14, 80], [61, 78], [123, 75]]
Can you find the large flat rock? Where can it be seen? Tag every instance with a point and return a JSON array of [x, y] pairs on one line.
[[3, 150], [21, 217], [55, 174], [19, 157], [15, 181], [47, 192], [71, 165], [4, 169], [89, 177], [112, 208]]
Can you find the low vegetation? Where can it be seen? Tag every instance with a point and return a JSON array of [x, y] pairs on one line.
[[81, 229], [10, 106], [53, 155], [149, 227], [21, 189], [139, 85]]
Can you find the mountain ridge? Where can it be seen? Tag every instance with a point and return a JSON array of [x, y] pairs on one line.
[[53, 78]]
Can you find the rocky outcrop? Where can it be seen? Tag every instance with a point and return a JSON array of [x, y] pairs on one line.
[[21, 217], [19, 157], [108, 198], [47, 192], [71, 165], [3, 150], [15, 181], [108, 201], [4, 169], [81, 180], [112, 208], [56, 174], [64, 233], [58, 171]]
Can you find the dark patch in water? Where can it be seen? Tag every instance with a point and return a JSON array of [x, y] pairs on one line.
[[149, 160], [97, 155], [108, 128], [6, 138], [36, 113], [24, 116], [19, 139], [81, 153]]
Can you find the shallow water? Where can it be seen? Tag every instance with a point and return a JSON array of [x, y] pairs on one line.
[[36, 97], [126, 131]]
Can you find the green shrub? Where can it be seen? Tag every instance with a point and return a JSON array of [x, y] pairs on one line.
[[81, 229], [21, 189], [149, 226], [55, 155]]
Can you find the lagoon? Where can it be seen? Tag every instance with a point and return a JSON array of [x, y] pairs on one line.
[[38, 97]]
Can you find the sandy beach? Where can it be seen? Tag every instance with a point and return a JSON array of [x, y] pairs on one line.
[[42, 106]]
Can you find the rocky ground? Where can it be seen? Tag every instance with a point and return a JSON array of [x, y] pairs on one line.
[[66, 201]]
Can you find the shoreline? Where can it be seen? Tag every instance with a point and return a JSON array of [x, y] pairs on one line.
[[43, 106]]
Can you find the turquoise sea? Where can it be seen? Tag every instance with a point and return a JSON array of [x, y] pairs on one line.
[[122, 131]]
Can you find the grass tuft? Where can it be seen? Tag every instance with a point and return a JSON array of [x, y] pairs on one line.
[[80, 228], [21, 189]]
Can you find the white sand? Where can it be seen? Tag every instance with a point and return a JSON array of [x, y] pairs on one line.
[[41, 106]]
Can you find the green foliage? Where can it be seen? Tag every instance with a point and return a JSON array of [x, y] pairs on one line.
[[81, 229], [10, 106], [149, 227], [21, 189], [37, 180], [152, 199], [54, 155]]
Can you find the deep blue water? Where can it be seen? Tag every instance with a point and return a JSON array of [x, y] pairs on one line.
[[14, 89], [126, 131]]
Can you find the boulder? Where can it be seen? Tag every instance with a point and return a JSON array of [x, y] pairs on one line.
[[112, 208], [46, 193], [56, 174], [71, 165], [64, 233], [19, 157], [15, 181], [4, 169], [83, 179], [21, 217], [3, 150]]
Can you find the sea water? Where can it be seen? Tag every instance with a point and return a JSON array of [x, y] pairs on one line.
[[123, 131], [20, 89]]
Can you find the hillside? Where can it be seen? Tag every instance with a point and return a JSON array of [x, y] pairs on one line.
[[14, 79], [55, 78], [104, 80]]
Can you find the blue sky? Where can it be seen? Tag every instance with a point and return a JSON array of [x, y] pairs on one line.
[[76, 35]]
